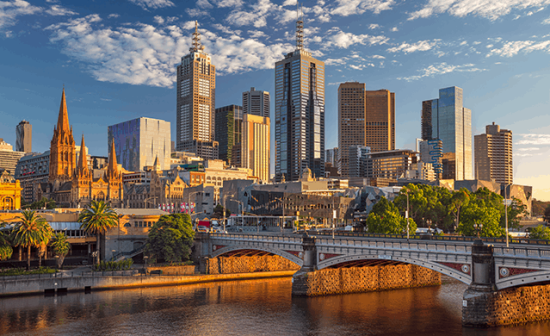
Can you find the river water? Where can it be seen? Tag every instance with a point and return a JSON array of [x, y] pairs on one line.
[[255, 307]]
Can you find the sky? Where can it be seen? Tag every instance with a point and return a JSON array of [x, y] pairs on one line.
[[118, 59]]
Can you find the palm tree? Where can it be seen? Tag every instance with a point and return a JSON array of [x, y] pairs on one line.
[[97, 219], [33, 230], [60, 247]]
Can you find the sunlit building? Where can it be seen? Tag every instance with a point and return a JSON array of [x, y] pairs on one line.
[[493, 155]]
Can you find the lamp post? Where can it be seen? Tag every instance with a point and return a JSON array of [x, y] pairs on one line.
[[189, 202], [407, 216], [478, 228], [506, 212], [118, 240]]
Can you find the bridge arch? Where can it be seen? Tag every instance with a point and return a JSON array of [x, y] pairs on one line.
[[534, 278], [280, 253], [432, 265]]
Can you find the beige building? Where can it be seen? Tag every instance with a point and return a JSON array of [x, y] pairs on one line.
[[365, 118], [255, 145], [196, 100], [493, 155], [9, 157], [256, 102]]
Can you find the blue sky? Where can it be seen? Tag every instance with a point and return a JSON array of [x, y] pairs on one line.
[[117, 60]]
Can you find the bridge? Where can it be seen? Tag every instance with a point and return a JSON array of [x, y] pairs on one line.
[[503, 282]]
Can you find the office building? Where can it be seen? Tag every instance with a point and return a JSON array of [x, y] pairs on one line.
[[357, 156], [23, 133], [451, 123], [299, 113], [8, 157], [256, 102], [31, 170], [431, 151], [331, 156], [255, 145], [140, 141], [229, 124], [196, 99], [365, 118], [493, 155], [389, 164]]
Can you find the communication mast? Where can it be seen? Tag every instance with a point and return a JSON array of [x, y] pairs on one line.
[[300, 28]]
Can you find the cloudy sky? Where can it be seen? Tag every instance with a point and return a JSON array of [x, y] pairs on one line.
[[117, 60]]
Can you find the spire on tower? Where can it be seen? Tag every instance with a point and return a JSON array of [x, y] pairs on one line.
[[82, 166], [112, 169], [63, 118], [197, 46], [300, 28]]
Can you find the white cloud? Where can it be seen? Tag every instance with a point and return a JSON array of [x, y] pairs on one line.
[[510, 49], [257, 34], [57, 10], [257, 17], [361, 66], [394, 29], [195, 12], [290, 3], [335, 61], [463, 43], [418, 46], [228, 3], [10, 10], [491, 9], [534, 139], [154, 4], [143, 54], [344, 40], [350, 7], [378, 57], [547, 21], [440, 69], [111, 16], [374, 26], [528, 149]]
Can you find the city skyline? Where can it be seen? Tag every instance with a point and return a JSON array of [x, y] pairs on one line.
[[509, 80]]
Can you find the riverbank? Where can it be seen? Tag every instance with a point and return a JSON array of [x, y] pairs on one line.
[[81, 283]]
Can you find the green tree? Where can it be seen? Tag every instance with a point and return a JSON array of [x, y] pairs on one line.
[[5, 245], [32, 231], [60, 246], [42, 203], [218, 212], [540, 232], [478, 213], [516, 212], [170, 239], [97, 219], [385, 218]]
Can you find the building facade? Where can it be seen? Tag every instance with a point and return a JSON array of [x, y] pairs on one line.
[[10, 192], [431, 151], [493, 155], [32, 170], [380, 120], [351, 121], [9, 157], [256, 103], [196, 99], [140, 141], [255, 145], [390, 164], [357, 158], [451, 122], [23, 140], [229, 126], [299, 113]]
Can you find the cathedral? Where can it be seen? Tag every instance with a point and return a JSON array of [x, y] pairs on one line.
[[73, 184]]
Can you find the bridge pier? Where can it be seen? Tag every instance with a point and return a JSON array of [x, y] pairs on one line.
[[300, 286]]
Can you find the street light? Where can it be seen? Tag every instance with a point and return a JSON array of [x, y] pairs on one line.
[[478, 228], [506, 212]]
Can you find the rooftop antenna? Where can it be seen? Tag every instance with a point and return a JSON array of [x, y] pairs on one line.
[[196, 40], [300, 28]]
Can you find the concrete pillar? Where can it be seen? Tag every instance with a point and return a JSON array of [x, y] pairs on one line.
[[478, 298], [201, 251], [299, 279]]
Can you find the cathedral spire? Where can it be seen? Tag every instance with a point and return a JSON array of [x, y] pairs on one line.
[[63, 118], [112, 169], [82, 166], [157, 164]]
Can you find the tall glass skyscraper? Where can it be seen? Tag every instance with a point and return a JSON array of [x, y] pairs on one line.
[[299, 113], [451, 122]]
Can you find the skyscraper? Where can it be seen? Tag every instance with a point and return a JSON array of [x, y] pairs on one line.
[[365, 118], [255, 145], [451, 122], [140, 141], [299, 113], [196, 81], [23, 141], [229, 125], [256, 102], [493, 155]]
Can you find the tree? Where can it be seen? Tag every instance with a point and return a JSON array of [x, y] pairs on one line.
[[60, 247], [218, 211], [43, 203], [170, 239], [515, 212], [547, 214], [96, 219], [32, 231], [540, 232], [385, 218], [5, 246], [478, 213]]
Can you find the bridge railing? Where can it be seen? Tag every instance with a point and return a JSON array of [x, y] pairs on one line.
[[265, 238], [418, 245]]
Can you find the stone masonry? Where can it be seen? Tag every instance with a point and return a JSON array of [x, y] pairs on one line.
[[250, 264]]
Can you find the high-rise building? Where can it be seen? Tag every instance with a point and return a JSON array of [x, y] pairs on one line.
[[196, 101], [299, 113], [140, 141], [9, 157], [331, 156], [255, 145], [389, 164], [451, 122], [229, 124], [493, 155], [23, 141], [365, 118], [357, 157], [431, 151], [256, 102]]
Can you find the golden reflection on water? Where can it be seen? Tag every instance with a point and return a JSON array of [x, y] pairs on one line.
[[249, 307]]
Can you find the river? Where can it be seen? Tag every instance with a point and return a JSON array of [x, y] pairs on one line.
[[255, 307]]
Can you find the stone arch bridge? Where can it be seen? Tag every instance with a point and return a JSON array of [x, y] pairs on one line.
[[494, 273]]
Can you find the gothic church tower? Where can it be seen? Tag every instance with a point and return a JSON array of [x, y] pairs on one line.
[[62, 149]]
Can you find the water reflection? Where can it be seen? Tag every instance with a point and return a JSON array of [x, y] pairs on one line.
[[256, 307]]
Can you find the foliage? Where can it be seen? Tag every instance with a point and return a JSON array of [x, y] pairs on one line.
[[547, 214], [218, 212], [539, 232], [5, 252], [22, 271], [385, 218], [32, 231], [97, 219], [43, 203], [515, 212], [538, 207], [125, 264], [60, 247], [170, 239]]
